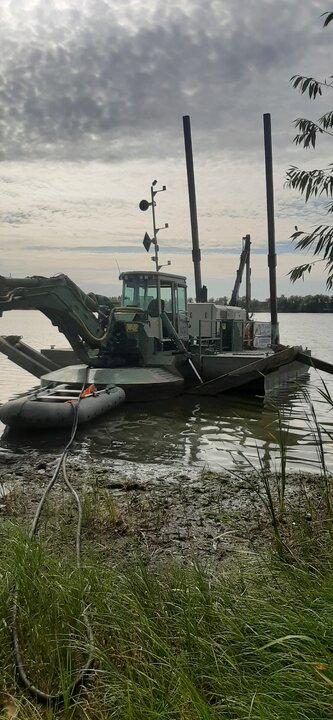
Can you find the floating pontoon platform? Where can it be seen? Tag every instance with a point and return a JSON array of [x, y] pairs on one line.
[[140, 384]]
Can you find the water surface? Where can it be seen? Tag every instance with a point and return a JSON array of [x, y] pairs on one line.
[[188, 433]]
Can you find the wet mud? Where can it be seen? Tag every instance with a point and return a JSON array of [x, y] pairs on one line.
[[156, 511]]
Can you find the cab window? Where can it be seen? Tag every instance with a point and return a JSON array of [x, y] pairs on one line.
[[166, 296], [181, 300], [128, 298]]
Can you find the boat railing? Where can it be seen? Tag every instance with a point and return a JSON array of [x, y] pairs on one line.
[[219, 335]]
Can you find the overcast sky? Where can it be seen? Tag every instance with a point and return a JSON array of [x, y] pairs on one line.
[[92, 94]]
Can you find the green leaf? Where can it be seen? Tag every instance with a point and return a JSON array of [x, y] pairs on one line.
[[326, 120], [305, 84], [313, 183], [297, 273], [328, 18], [296, 79], [281, 640]]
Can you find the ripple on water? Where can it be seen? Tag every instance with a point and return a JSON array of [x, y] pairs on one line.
[[186, 434]]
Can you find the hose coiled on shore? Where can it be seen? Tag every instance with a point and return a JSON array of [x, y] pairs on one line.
[[40, 695]]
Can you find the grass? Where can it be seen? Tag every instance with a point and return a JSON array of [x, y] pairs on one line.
[[171, 643], [174, 641], [269, 482]]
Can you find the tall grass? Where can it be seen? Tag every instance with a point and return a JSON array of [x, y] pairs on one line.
[[175, 643], [269, 485], [178, 642], [275, 488]]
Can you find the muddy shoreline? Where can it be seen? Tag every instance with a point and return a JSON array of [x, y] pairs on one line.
[[208, 516]]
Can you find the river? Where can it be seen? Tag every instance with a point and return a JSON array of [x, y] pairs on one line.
[[188, 433]]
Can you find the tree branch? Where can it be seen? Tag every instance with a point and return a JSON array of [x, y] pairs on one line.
[[310, 182], [310, 84]]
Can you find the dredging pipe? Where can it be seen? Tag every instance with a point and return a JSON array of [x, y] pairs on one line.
[[200, 292], [271, 228]]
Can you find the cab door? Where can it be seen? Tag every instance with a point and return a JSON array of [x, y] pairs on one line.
[[181, 311]]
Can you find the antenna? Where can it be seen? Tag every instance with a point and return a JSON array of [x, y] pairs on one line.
[[144, 205], [116, 261]]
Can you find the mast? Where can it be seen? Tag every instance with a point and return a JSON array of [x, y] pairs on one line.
[[244, 262], [248, 278], [271, 227], [196, 253], [147, 241]]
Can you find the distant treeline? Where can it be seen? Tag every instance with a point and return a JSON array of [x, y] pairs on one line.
[[294, 303]]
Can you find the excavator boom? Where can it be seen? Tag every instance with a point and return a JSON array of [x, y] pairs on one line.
[[85, 319], [100, 334]]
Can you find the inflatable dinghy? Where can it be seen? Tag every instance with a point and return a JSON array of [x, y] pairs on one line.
[[49, 408]]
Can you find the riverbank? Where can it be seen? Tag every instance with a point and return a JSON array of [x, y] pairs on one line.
[[208, 515], [199, 606]]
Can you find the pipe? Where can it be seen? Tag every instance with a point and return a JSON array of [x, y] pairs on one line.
[[271, 227], [248, 277], [196, 253]]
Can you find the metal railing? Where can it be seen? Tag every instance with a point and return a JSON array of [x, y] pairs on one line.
[[219, 335]]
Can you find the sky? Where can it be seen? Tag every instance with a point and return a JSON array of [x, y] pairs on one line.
[[92, 95]]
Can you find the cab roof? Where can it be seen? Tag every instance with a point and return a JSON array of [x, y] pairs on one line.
[[152, 275]]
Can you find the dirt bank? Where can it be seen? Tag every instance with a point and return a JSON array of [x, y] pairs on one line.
[[161, 514]]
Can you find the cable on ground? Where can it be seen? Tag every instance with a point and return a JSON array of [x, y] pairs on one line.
[[48, 698]]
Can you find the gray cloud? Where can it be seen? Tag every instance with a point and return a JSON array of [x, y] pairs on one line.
[[93, 80], [15, 218], [128, 249], [294, 206]]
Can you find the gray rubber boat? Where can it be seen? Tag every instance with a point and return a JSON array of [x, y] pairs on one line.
[[53, 407]]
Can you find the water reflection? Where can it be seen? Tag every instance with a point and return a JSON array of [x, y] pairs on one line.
[[188, 433], [192, 433]]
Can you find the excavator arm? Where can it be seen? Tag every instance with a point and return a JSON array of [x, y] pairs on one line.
[[84, 319], [244, 259]]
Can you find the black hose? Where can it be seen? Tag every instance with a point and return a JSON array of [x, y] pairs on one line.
[[41, 696]]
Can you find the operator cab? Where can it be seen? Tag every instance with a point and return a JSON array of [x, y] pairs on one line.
[[149, 290]]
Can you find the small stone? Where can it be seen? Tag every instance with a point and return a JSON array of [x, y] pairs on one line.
[[7, 457], [182, 534]]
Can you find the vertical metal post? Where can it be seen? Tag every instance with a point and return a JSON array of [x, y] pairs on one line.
[[152, 192], [271, 227], [200, 344], [196, 254], [158, 286], [159, 306], [248, 277]]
